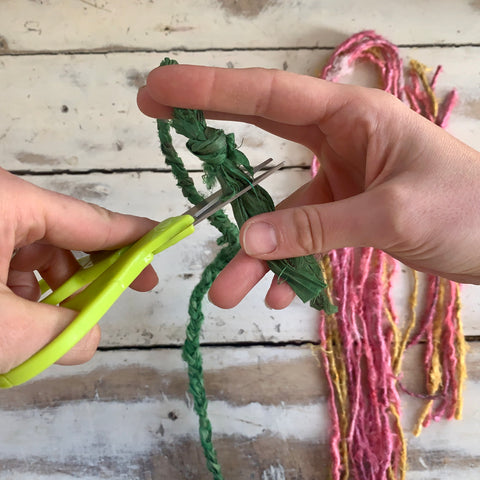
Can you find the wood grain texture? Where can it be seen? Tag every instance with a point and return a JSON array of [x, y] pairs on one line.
[[78, 112], [69, 73], [56, 25], [127, 415]]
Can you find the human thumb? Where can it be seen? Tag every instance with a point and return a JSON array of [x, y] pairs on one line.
[[357, 221]]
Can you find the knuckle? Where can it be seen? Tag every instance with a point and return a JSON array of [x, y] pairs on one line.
[[7, 362], [265, 101], [85, 350], [8, 341], [399, 221], [107, 217], [102, 212], [308, 232], [371, 108]]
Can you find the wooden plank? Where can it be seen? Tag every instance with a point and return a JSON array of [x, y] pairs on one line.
[[126, 415], [58, 25], [160, 317], [79, 112]]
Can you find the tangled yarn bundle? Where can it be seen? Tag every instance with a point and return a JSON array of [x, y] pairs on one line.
[[362, 346]]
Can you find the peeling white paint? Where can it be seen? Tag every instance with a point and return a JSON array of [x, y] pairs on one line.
[[91, 430], [78, 112], [94, 24], [422, 463], [170, 360], [274, 472], [52, 476]]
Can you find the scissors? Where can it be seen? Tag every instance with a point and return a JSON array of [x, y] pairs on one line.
[[102, 279]]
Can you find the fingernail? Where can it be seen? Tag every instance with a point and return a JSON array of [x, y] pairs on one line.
[[259, 238]]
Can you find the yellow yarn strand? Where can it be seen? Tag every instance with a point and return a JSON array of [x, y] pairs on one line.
[[421, 70], [462, 349], [403, 453], [389, 315], [434, 377], [412, 321], [338, 375], [399, 343]]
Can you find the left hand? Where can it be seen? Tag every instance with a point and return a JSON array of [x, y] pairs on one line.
[[42, 227]]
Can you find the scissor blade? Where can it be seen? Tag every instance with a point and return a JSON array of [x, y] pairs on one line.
[[212, 200], [213, 203]]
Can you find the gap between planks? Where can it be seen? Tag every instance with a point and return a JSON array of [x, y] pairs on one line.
[[175, 346], [120, 49], [111, 171], [289, 343]]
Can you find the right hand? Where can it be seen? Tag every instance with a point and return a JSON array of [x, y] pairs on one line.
[[389, 178]]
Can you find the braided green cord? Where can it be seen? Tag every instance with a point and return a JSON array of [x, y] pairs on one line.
[[193, 357], [191, 348], [222, 162]]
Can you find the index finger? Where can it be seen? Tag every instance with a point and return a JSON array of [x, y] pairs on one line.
[[272, 94], [44, 216], [50, 217]]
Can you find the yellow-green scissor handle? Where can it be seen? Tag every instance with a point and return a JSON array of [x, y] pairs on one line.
[[106, 281]]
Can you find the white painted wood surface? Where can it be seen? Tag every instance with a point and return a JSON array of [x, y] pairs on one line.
[[69, 71], [58, 25], [126, 415], [104, 129]]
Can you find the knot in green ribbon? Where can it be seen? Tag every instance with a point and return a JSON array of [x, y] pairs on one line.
[[212, 149]]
